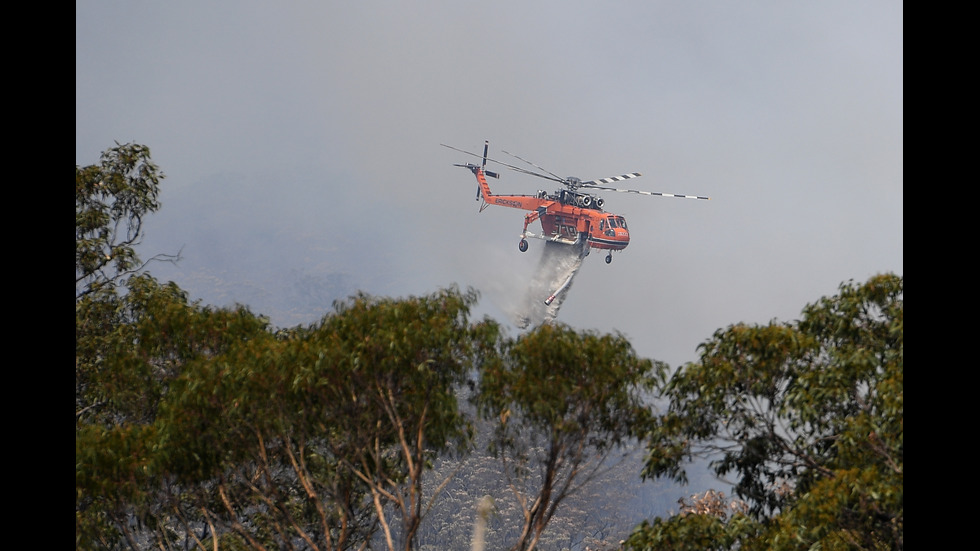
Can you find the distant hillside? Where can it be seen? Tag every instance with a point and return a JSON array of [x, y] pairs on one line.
[[283, 256]]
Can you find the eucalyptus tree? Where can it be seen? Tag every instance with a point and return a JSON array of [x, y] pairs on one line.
[[323, 435], [399, 368], [563, 402], [111, 200], [133, 336], [807, 417], [126, 493]]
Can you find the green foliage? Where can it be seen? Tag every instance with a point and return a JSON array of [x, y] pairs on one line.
[[808, 416], [399, 360], [111, 199], [562, 400], [133, 339], [128, 348], [398, 368], [132, 353], [689, 532], [204, 424]]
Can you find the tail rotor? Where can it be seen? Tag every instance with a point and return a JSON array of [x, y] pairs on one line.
[[486, 148], [475, 168]]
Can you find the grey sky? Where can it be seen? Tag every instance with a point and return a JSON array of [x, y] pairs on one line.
[[322, 121]]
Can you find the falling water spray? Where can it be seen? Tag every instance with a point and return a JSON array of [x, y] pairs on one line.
[[550, 283]]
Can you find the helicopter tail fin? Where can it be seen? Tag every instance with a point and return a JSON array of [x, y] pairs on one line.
[[482, 187], [480, 171]]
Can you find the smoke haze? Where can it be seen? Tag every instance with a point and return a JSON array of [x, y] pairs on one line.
[[301, 147]]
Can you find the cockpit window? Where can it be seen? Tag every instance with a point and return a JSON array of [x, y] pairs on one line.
[[622, 222], [612, 222]]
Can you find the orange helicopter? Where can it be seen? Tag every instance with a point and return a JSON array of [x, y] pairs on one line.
[[569, 215]]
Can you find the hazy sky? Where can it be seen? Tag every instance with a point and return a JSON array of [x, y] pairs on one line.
[[322, 121]]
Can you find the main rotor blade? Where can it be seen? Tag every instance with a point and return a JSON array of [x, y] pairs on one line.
[[649, 192], [611, 179], [559, 178], [512, 167]]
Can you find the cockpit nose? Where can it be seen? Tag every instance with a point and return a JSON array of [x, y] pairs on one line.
[[614, 228]]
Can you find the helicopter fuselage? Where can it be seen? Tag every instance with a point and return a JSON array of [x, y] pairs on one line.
[[565, 216], [569, 215]]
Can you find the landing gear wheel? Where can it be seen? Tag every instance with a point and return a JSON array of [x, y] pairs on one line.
[[608, 258], [522, 245]]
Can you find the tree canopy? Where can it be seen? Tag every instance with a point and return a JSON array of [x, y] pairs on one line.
[[563, 401], [111, 199], [808, 419], [317, 431]]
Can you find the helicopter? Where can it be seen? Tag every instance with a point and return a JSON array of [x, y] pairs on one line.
[[571, 216]]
